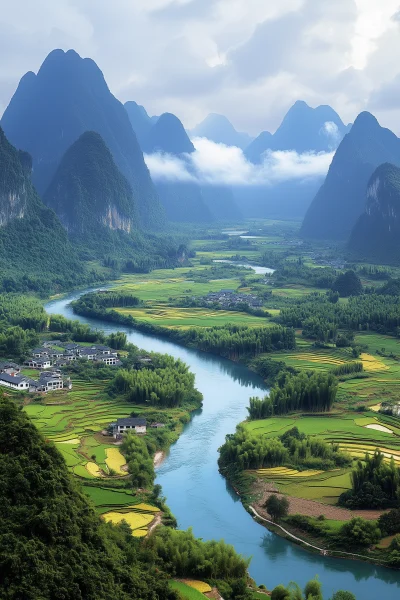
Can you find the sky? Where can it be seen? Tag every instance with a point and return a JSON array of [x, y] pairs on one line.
[[247, 59]]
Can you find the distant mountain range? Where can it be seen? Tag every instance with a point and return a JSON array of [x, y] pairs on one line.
[[219, 129], [68, 96], [303, 129], [184, 201], [376, 235], [341, 199]]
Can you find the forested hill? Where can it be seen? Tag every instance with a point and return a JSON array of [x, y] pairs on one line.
[[53, 544], [341, 199], [68, 96], [303, 129], [376, 235], [35, 253], [88, 191]]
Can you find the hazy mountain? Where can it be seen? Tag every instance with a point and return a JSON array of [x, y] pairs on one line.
[[182, 200], [33, 243], [167, 135], [376, 235], [68, 96], [219, 129], [88, 191], [303, 129], [140, 120], [341, 199]]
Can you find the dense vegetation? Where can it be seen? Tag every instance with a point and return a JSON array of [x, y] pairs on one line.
[[307, 391], [35, 251], [320, 319], [139, 461], [48, 522], [244, 450], [167, 383], [375, 484], [376, 234], [231, 341]]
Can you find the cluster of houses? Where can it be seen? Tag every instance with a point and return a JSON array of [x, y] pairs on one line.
[[230, 299], [47, 360], [59, 354], [11, 377]]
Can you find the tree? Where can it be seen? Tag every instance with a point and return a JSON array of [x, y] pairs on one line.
[[312, 590], [278, 508], [280, 593], [359, 532], [389, 523], [342, 595], [348, 284]]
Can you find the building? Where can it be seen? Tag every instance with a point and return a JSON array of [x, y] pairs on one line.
[[10, 368], [129, 424], [108, 359], [14, 382], [38, 363]]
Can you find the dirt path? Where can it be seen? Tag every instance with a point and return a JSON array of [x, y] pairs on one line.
[[155, 523], [311, 508]]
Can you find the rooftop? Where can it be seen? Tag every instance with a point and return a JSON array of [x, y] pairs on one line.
[[132, 421]]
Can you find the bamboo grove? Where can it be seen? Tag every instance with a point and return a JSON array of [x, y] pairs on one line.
[[308, 392]]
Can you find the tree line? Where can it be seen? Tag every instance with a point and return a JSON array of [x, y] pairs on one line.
[[307, 391], [244, 450]]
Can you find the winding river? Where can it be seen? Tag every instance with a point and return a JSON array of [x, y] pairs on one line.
[[200, 498]]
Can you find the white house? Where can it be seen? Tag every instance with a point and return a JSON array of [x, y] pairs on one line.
[[16, 383], [130, 424]]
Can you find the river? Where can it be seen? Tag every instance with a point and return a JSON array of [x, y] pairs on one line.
[[200, 498]]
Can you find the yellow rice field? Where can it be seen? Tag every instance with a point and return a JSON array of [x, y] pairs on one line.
[[284, 472], [372, 364], [115, 460], [200, 586], [93, 469], [73, 441], [134, 519], [145, 507]]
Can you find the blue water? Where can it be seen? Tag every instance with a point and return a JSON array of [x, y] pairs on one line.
[[200, 498]]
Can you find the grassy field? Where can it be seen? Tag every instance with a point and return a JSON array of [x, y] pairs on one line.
[[191, 317], [185, 591]]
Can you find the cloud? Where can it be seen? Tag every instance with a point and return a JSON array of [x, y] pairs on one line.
[[217, 164], [331, 131]]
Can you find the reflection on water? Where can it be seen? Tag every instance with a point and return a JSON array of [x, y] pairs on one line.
[[258, 270], [200, 498]]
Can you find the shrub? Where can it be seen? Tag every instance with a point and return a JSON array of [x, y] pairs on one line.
[[359, 532]]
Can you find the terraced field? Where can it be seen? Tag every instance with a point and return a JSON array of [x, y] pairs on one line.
[[320, 486], [350, 431], [191, 317]]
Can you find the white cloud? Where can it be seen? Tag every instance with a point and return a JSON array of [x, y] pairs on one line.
[[248, 59], [217, 164]]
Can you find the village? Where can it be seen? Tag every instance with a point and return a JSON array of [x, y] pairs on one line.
[[47, 361], [230, 299]]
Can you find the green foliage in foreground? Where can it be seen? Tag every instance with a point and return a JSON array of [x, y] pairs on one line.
[[312, 591], [306, 391], [277, 507], [182, 555], [244, 450], [47, 522], [140, 463]]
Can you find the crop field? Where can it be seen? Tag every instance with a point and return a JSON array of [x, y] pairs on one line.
[[115, 460], [185, 591], [321, 486], [306, 357], [200, 586], [138, 517], [352, 432], [191, 317]]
